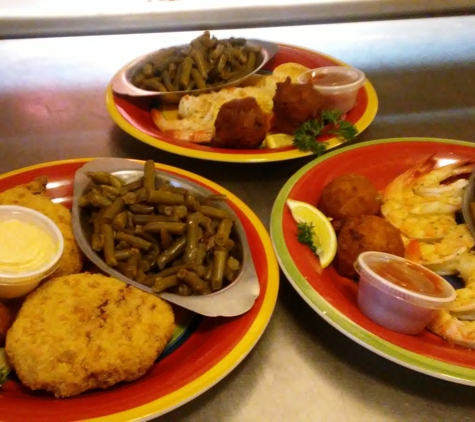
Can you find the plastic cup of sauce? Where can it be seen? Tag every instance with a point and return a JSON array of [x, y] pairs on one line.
[[338, 85], [399, 294], [30, 248]]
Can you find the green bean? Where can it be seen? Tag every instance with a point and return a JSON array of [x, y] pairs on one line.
[[213, 212], [200, 62], [229, 274], [132, 186], [130, 198], [96, 199], [200, 286], [149, 176], [172, 252], [143, 219], [173, 228], [219, 264], [179, 212], [110, 192], [164, 283], [223, 232], [165, 197], [108, 245], [233, 263], [132, 265], [167, 79], [164, 209], [134, 241], [147, 69], [124, 254], [184, 290], [217, 52], [120, 221], [154, 84], [140, 275], [173, 270], [115, 208], [192, 203], [185, 72], [142, 209], [192, 237], [139, 231], [199, 81], [165, 239], [97, 240], [104, 178]]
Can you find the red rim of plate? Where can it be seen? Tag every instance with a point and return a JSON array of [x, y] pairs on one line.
[[133, 116], [216, 346], [334, 297]]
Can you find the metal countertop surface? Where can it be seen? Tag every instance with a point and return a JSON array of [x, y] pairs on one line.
[[40, 18], [52, 102]]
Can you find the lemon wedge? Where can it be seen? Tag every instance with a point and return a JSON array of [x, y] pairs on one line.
[[277, 140], [324, 236]]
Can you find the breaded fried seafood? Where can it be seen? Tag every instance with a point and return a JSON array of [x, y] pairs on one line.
[[347, 196], [33, 195], [240, 124], [86, 331], [362, 234], [294, 104]]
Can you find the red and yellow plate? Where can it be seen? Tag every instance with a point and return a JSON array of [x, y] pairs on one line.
[[133, 116], [204, 350], [334, 297]]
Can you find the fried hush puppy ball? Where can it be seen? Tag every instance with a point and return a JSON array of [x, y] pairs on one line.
[[351, 195], [240, 124], [294, 104], [362, 234]]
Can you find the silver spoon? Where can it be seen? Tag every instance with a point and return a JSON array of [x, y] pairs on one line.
[[121, 82], [235, 299]]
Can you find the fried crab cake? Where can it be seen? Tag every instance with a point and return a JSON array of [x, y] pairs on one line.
[[33, 195], [85, 331], [347, 196], [362, 234]]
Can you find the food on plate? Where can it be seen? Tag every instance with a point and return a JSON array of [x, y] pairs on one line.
[[161, 235], [422, 204], [6, 319], [347, 196], [457, 324], [240, 124], [205, 63], [294, 104], [86, 331], [33, 195], [362, 234], [314, 230]]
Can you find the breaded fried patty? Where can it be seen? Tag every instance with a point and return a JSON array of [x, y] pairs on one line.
[[85, 331], [33, 196]]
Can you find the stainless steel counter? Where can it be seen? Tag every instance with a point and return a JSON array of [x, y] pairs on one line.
[[40, 18], [52, 107]]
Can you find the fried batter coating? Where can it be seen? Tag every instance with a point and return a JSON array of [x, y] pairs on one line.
[[33, 195], [365, 233], [85, 331], [347, 196], [240, 124], [294, 104]]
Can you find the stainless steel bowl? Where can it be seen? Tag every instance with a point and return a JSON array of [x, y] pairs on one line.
[[121, 82]]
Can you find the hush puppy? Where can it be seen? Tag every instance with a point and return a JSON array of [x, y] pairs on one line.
[[351, 195], [294, 104], [240, 124], [85, 331], [365, 233]]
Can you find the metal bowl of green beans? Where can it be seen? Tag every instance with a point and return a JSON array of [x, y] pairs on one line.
[[206, 64], [164, 234]]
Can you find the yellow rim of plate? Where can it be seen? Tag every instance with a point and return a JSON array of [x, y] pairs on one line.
[[364, 121], [235, 356]]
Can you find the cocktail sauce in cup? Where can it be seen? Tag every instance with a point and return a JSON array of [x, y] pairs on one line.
[[399, 294], [338, 85]]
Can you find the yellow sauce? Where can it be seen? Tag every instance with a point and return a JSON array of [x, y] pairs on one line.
[[24, 247]]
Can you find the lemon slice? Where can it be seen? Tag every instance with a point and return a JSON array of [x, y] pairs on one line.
[[324, 237], [277, 140]]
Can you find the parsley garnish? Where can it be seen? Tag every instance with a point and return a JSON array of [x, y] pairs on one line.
[[329, 122], [305, 235]]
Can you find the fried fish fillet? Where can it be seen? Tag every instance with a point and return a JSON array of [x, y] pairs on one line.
[[85, 331], [33, 195]]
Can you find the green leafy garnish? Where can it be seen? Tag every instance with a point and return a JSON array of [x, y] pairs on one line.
[[329, 122], [305, 235], [5, 367]]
